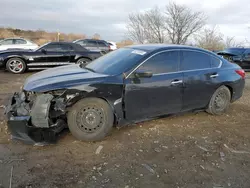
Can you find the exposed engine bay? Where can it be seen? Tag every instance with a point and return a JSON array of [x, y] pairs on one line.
[[43, 115]]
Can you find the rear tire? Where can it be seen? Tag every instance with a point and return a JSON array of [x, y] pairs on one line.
[[16, 65], [90, 119], [220, 101], [83, 61]]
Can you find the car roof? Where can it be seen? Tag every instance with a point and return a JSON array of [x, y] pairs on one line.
[[62, 42], [13, 38], [100, 40], [158, 47]]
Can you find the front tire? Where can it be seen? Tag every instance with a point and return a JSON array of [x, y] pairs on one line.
[[220, 101], [90, 119], [16, 65]]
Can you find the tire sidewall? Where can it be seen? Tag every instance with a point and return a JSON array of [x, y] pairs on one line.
[[102, 131], [19, 59], [87, 61], [211, 108]]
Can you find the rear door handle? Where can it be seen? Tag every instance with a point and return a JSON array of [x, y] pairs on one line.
[[176, 82], [214, 75]]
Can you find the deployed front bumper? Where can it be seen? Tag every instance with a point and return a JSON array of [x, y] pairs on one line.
[[20, 125]]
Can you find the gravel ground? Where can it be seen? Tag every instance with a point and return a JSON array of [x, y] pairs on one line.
[[191, 150]]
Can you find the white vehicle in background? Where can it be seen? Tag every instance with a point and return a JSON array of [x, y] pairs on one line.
[[17, 43], [112, 45]]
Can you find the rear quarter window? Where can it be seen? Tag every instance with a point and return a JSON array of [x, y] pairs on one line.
[[215, 62], [102, 44]]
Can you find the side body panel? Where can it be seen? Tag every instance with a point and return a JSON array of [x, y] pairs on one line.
[[150, 97], [37, 59], [199, 86]]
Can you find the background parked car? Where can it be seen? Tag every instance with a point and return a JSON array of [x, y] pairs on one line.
[[94, 45], [112, 45], [47, 56], [17, 43], [240, 56]]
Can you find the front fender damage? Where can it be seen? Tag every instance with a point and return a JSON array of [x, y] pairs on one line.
[[36, 118]]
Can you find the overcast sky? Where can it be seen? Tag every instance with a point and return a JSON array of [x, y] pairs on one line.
[[109, 17]]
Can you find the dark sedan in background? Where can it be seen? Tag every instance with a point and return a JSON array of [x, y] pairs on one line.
[[47, 56], [94, 45], [240, 56], [127, 85]]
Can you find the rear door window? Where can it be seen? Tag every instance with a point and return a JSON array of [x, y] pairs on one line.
[[91, 43], [66, 47], [192, 60], [20, 41]]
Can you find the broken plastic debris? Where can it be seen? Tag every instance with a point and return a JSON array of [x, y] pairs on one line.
[[222, 156], [158, 150], [204, 149], [202, 167], [149, 168], [235, 151], [98, 150]]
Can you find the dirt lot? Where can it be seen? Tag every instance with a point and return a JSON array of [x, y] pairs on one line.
[[189, 150]]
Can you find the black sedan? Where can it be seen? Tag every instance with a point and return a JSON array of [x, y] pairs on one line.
[[47, 56], [128, 85]]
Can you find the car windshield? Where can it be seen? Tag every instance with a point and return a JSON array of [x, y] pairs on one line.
[[116, 62]]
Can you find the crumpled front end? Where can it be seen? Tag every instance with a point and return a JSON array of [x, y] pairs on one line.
[[36, 117]]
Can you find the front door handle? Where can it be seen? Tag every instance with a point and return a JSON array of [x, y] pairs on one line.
[[214, 75], [177, 82]]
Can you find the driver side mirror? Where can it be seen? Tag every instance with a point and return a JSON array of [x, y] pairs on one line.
[[43, 51], [143, 74]]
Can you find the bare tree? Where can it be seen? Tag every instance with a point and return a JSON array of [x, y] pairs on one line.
[[210, 39], [230, 42], [182, 22], [155, 26], [147, 26], [136, 27]]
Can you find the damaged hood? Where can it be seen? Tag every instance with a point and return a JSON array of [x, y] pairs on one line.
[[232, 51], [62, 77]]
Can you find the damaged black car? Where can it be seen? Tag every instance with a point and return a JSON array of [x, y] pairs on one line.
[[240, 56], [129, 85]]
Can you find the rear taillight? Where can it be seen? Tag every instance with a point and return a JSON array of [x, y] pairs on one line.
[[241, 72]]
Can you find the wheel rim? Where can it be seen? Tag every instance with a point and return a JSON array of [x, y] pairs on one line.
[[221, 101], [90, 119], [16, 66], [82, 61]]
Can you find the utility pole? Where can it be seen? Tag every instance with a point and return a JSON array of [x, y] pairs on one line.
[[58, 36]]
